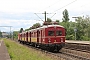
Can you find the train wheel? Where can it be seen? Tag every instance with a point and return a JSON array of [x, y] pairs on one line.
[[36, 45], [50, 49], [19, 41], [57, 51]]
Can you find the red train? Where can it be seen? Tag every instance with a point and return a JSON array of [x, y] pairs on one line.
[[50, 37]]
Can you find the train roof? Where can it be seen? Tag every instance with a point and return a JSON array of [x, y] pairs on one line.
[[46, 26], [52, 26], [23, 32]]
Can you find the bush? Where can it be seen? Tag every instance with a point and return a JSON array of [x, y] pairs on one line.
[[85, 38], [69, 37]]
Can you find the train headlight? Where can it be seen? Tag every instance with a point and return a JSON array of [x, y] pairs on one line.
[[61, 39], [49, 40], [54, 40], [43, 40]]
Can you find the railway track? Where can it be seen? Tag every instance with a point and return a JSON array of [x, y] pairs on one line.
[[79, 55], [78, 47], [65, 53]]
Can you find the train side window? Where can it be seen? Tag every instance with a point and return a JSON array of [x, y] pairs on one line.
[[50, 33], [38, 32], [32, 34], [58, 33]]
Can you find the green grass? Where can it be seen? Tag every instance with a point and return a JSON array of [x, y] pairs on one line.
[[0, 38], [20, 52]]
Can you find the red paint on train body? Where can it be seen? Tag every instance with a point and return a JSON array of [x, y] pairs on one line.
[[50, 36]]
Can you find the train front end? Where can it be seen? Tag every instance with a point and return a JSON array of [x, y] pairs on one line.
[[55, 37]]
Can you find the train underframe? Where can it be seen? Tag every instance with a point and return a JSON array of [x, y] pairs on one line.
[[52, 47], [48, 47]]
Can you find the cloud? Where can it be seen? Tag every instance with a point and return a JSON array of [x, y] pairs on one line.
[[20, 6], [20, 13], [17, 24], [20, 16]]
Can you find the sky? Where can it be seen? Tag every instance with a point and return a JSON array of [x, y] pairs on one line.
[[23, 13]]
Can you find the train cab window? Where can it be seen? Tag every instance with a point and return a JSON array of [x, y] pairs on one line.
[[50, 33], [58, 33]]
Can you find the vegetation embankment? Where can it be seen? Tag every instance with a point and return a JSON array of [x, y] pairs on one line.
[[20, 52]]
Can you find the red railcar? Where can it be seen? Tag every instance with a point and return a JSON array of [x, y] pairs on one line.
[[50, 37]]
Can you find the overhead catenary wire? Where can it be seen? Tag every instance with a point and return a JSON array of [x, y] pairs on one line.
[[39, 17], [50, 5], [61, 7], [53, 15], [65, 5], [81, 14]]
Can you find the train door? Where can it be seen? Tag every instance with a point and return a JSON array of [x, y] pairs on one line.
[[30, 37], [41, 36], [21, 36], [38, 36], [27, 36], [18, 36], [24, 36]]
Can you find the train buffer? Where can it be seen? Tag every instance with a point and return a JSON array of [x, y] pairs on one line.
[[3, 51]]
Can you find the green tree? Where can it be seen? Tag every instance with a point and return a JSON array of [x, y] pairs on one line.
[[83, 28], [57, 21], [21, 30], [0, 34], [69, 29], [27, 29], [36, 25], [65, 16], [66, 24], [49, 20], [15, 34]]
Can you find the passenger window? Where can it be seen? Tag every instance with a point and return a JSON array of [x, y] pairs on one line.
[[50, 33], [58, 33]]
